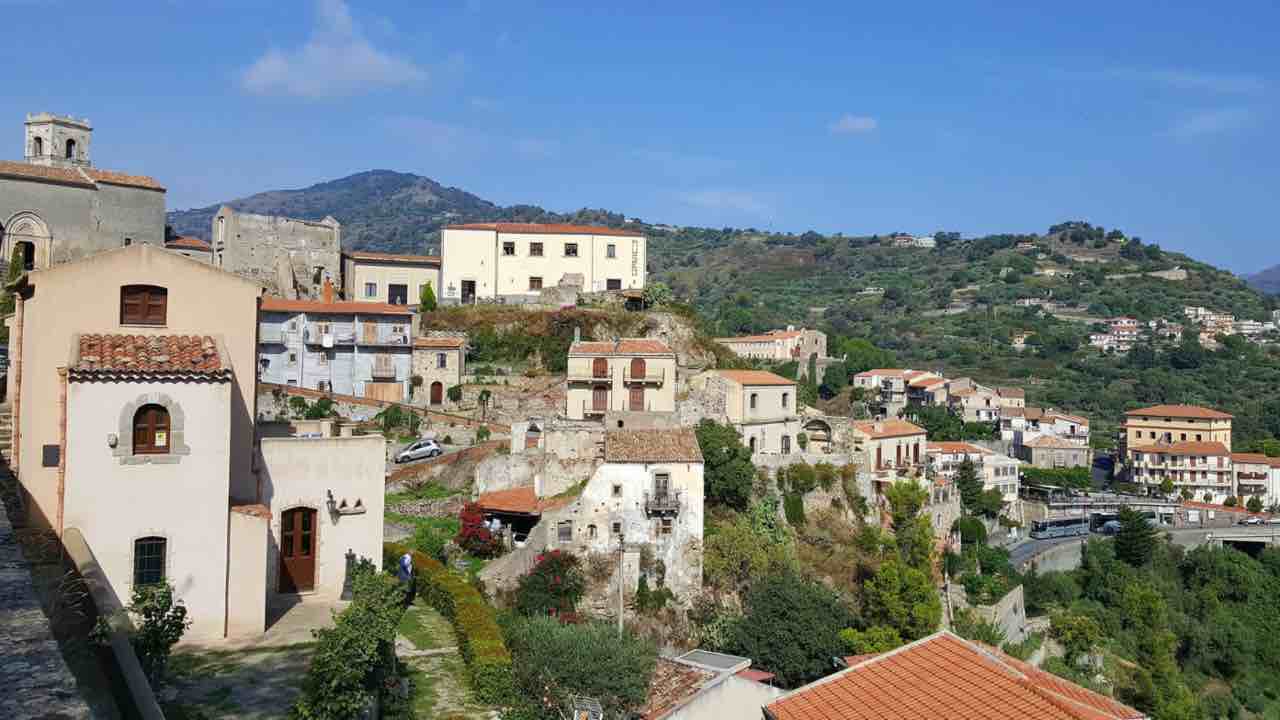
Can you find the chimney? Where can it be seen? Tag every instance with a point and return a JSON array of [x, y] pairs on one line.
[[328, 291]]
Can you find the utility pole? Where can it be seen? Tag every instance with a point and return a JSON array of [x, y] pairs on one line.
[[621, 554]]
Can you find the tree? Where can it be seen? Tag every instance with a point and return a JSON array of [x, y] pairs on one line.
[[1078, 635], [1255, 504], [727, 466], [553, 586], [872, 641], [970, 486], [161, 622], [1136, 539], [791, 628], [551, 661], [483, 401], [6, 297], [427, 301], [903, 598], [912, 532], [1166, 486]]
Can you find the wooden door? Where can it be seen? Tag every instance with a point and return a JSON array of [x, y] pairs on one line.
[[637, 398], [298, 550], [386, 391], [637, 369], [600, 368], [600, 399], [437, 393]]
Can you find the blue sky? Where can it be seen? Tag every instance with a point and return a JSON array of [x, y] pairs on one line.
[[851, 117]]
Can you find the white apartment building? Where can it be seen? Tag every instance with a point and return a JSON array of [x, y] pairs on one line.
[[998, 472], [1203, 468], [513, 262]]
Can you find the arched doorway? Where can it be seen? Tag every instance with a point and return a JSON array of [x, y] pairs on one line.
[[71, 149], [437, 392], [298, 550], [819, 434], [27, 234]]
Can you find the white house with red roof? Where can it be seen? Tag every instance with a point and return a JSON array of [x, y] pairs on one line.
[[513, 262]]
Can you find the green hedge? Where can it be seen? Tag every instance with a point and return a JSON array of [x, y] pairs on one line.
[[478, 635]]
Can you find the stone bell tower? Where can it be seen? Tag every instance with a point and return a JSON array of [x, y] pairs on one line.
[[57, 141]]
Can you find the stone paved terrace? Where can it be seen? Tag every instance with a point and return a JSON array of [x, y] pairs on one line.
[[36, 680]]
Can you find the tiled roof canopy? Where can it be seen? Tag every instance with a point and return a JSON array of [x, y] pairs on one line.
[[149, 357], [948, 447], [187, 242], [754, 377], [888, 428], [943, 677], [1181, 411], [389, 257], [630, 346], [519, 500], [641, 446], [441, 342], [274, 304], [546, 229]]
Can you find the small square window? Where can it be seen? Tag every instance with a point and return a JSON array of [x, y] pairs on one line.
[[613, 284], [509, 248], [611, 251], [617, 528], [667, 524], [571, 249], [535, 249], [442, 360], [293, 358], [535, 283], [617, 490], [322, 359], [371, 289], [564, 531]]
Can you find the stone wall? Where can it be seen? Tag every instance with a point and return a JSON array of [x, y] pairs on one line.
[[290, 257], [548, 473]]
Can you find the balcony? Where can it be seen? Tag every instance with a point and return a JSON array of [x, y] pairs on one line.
[[317, 334], [381, 338], [590, 378], [1251, 489], [667, 503], [590, 410], [649, 378], [272, 335]]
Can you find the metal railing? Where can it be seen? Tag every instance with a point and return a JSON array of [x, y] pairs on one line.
[[589, 409], [657, 378], [383, 338], [580, 377], [666, 503]]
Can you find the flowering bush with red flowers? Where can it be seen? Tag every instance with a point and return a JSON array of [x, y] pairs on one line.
[[473, 536], [553, 587]]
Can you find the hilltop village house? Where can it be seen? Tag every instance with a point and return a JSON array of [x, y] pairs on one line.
[[513, 262], [761, 406], [55, 206], [351, 348], [997, 472], [441, 361], [292, 258], [187, 246], [1186, 444], [622, 378], [392, 279], [134, 428], [647, 492], [779, 345]]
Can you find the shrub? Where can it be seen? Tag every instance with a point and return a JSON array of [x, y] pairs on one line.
[[802, 439], [298, 405], [875, 639], [473, 536], [475, 628], [651, 600], [553, 586], [482, 434], [793, 506], [1255, 504], [353, 658], [162, 621], [972, 531], [802, 478], [826, 475], [429, 540], [454, 394], [1230, 501]]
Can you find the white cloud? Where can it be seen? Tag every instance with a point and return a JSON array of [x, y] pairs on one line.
[[1211, 82], [1204, 123], [850, 124], [336, 61], [733, 200]]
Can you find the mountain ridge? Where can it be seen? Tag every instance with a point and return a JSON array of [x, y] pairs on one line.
[[1268, 280]]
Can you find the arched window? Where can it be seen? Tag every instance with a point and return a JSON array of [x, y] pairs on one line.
[[637, 368], [37, 147], [600, 367], [143, 305], [752, 444], [149, 560], [71, 149], [151, 430]]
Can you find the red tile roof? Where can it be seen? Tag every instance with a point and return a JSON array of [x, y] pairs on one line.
[[754, 377], [679, 445], [1189, 447], [626, 346], [112, 177], [545, 229], [1181, 411], [888, 428], [943, 677], [885, 372], [187, 242], [754, 675], [442, 342], [1011, 392], [1054, 443], [955, 448], [389, 257], [275, 304], [1253, 458], [126, 357], [80, 177], [523, 500], [671, 686], [766, 337]]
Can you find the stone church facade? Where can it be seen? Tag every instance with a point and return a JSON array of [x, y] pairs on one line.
[[55, 206]]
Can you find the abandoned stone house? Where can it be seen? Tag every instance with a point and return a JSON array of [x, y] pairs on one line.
[[134, 418], [292, 258], [643, 498], [441, 361], [628, 376], [55, 206]]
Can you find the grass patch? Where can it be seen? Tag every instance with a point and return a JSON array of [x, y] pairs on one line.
[[426, 491], [425, 628]]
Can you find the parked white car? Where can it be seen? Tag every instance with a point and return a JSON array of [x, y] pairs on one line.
[[418, 450]]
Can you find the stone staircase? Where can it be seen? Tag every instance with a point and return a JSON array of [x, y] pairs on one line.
[[6, 434]]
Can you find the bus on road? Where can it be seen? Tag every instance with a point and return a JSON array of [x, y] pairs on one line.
[[1065, 527]]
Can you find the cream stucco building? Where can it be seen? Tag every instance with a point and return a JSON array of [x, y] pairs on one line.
[[633, 375], [386, 278], [761, 406], [779, 345], [513, 262], [134, 424]]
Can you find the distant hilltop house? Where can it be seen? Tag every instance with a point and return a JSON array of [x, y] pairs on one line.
[[187, 246], [903, 240], [780, 345], [292, 258], [513, 262], [56, 207]]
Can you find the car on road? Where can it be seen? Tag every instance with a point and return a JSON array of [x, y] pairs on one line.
[[418, 450], [1255, 520], [1110, 527]]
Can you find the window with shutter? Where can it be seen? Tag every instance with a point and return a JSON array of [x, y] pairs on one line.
[[143, 305], [150, 430]]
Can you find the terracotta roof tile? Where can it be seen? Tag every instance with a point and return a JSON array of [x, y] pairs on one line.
[[522, 500], [64, 176], [254, 509], [1185, 448], [625, 346], [1253, 458], [1050, 442], [1181, 411], [391, 257], [112, 177], [123, 357], [444, 342], [754, 377], [187, 242], [671, 685], [882, 372], [766, 337], [887, 428], [275, 304], [679, 445], [754, 675], [545, 229], [1011, 392], [955, 448], [943, 677]]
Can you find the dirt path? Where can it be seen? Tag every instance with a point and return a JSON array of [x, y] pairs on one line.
[[441, 690], [255, 683]]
